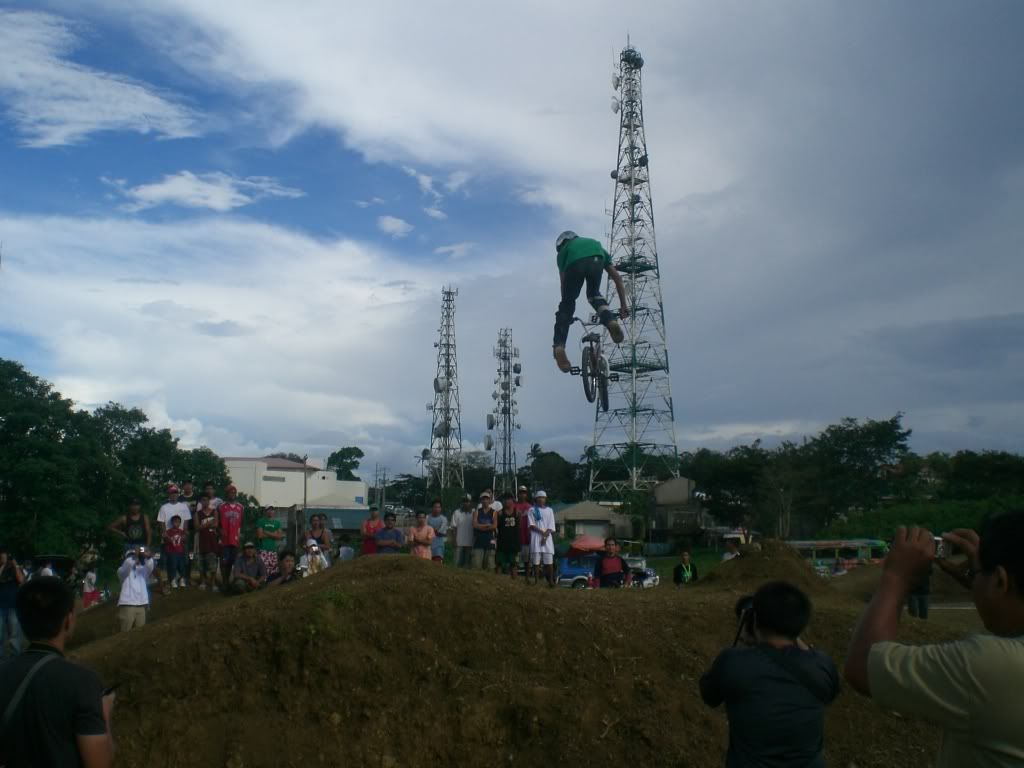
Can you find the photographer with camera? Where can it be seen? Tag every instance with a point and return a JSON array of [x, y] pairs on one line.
[[969, 688], [133, 601], [775, 688], [314, 561]]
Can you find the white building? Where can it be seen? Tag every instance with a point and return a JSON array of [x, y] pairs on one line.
[[286, 483]]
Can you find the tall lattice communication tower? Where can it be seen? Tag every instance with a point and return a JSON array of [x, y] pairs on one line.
[[503, 420], [635, 441], [445, 458]]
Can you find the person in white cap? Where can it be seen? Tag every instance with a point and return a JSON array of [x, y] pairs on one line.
[[314, 560], [542, 537]]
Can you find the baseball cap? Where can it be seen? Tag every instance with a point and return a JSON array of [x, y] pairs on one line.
[[496, 506], [540, 495], [248, 544], [468, 497], [311, 543], [524, 488], [485, 495]]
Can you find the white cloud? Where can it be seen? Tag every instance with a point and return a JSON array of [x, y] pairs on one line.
[[394, 226], [455, 250], [216, 191], [425, 182], [54, 101], [435, 213], [368, 203], [457, 180]]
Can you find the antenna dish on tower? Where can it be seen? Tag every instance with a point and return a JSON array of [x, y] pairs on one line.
[[488, 442], [616, 80], [615, 105]]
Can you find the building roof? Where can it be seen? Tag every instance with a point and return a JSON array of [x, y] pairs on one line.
[[586, 510], [275, 463]]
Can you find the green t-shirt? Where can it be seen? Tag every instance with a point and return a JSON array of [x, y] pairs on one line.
[[580, 248], [267, 525]]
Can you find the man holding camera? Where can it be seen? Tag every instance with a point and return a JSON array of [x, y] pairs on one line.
[[133, 601], [775, 688], [970, 688]]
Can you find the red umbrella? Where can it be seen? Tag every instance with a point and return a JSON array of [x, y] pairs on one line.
[[583, 544]]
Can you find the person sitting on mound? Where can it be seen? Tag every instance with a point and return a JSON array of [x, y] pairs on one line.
[[611, 570], [248, 573], [287, 572]]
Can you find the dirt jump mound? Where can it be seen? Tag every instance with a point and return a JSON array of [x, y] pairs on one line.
[[766, 561], [394, 661]]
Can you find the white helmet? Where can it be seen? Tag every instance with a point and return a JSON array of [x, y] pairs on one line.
[[562, 238]]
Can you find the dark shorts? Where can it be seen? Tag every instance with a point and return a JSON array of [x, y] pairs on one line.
[[228, 555], [506, 558]]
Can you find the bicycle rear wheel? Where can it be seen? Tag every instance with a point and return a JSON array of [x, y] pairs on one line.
[[588, 372]]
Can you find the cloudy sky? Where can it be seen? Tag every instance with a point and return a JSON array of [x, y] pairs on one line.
[[239, 215]]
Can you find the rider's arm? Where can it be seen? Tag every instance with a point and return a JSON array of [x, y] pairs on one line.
[[613, 273]]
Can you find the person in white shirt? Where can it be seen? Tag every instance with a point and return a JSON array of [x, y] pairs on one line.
[[732, 550], [164, 515], [542, 537], [173, 507], [462, 524], [133, 601], [314, 560]]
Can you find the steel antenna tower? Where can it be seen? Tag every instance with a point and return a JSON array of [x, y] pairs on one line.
[[635, 441], [445, 458], [504, 418]]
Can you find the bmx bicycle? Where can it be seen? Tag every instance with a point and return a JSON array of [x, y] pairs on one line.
[[593, 368]]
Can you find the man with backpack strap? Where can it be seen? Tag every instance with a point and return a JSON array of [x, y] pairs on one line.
[[54, 712]]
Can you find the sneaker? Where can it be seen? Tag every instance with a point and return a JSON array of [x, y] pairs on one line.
[[562, 359], [184, 583], [174, 584], [202, 587], [615, 329]]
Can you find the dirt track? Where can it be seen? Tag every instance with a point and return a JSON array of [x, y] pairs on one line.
[[400, 662]]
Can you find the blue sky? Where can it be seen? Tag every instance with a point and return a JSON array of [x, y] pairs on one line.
[[239, 215]]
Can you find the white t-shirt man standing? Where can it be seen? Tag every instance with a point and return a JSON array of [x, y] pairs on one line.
[[462, 524], [542, 536], [173, 507]]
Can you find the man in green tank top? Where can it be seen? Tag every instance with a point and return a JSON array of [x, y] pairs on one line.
[[582, 260]]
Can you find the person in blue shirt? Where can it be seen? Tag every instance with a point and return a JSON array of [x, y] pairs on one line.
[[583, 260], [390, 540]]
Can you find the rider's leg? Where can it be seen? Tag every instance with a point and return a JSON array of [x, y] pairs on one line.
[[572, 283], [595, 272]]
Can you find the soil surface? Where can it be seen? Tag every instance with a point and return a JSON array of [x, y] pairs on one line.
[[395, 661]]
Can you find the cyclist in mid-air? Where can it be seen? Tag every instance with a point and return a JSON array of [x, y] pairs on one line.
[[584, 260]]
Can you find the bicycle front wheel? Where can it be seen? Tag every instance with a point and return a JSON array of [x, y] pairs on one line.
[[588, 372]]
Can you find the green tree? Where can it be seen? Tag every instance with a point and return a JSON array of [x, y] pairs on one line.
[[290, 456], [345, 462]]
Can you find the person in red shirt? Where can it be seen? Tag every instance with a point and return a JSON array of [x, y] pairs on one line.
[[208, 543], [231, 514], [522, 506], [611, 570], [174, 550]]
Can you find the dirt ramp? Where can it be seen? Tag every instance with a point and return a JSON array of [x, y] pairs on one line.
[[393, 661], [767, 561]]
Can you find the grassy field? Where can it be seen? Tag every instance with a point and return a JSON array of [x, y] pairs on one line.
[[704, 559]]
